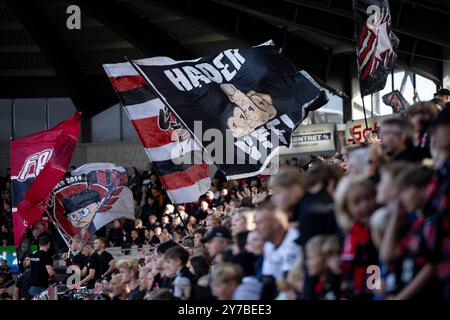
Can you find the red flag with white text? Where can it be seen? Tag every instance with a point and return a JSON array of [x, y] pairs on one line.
[[38, 163]]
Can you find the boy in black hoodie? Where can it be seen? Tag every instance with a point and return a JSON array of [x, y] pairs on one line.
[[180, 283]]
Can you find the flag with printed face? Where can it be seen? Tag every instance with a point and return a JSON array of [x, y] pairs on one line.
[[38, 162], [238, 106], [94, 195], [375, 43], [164, 138], [395, 100]]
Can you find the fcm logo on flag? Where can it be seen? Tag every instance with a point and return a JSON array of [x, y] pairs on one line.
[[34, 164]]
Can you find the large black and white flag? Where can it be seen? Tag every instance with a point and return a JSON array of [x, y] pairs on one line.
[[239, 104], [375, 44]]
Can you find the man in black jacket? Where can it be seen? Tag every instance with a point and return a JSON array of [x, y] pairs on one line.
[[175, 260]]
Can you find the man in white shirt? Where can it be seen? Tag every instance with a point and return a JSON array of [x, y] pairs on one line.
[[281, 252]]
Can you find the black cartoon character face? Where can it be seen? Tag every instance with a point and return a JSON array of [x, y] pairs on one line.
[[251, 110]]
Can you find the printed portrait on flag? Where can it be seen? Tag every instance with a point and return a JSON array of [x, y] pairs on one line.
[[250, 92], [396, 101], [83, 203], [250, 111]]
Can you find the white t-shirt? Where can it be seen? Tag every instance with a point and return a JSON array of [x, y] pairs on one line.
[[281, 259]]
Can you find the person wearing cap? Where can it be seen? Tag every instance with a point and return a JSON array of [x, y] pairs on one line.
[[217, 241], [443, 95], [437, 224]]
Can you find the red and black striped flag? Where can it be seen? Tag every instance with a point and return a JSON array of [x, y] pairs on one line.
[[164, 139], [375, 44]]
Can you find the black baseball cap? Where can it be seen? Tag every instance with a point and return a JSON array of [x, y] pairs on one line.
[[442, 92], [443, 118], [221, 232]]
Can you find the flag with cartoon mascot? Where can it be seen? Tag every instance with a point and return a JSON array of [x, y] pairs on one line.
[[94, 195]]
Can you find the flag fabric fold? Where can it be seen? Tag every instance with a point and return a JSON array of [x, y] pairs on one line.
[[253, 98], [395, 100], [94, 195], [163, 137], [38, 162], [376, 44]]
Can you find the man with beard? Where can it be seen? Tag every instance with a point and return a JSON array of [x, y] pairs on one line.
[[23, 282]]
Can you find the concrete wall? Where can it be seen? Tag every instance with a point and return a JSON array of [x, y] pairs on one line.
[[126, 154]]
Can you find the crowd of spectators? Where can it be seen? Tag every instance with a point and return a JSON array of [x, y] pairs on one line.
[[370, 222]]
